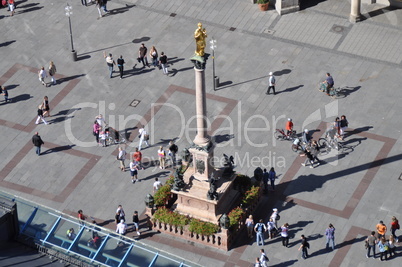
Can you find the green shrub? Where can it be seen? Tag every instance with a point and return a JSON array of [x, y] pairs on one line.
[[162, 195], [234, 216], [251, 195], [202, 228], [173, 218]]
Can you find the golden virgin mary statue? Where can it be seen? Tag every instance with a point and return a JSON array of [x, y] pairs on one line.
[[200, 35]]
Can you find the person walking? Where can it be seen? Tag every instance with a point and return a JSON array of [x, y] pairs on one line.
[[120, 214], [272, 229], [40, 115], [52, 72], [172, 152], [250, 226], [157, 184], [144, 137], [381, 229], [153, 53], [99, 5], [109, 62], [371, 241], [122, 157], [11, 6], [134, 171], [136, 223], [275, 216], [142, 55], [383, 248], [163, 62], [120, 65], [162, 158], [45, 104], [96, 130], [272, 177], [271, 83], [394, 226], [42, 75], [38, 142], [285, 234], [330, 235], [309, 158], [3, 91], [259, 230], [304, 246], [137, 157], [263, 258]]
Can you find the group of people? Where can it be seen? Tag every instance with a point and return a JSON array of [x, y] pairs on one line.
[[43, 111], [157, 60], [385, 246], [42, 74]]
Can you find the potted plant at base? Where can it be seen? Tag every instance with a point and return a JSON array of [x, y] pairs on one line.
[[263, 4]]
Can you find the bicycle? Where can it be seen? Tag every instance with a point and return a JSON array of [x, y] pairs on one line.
[[280, 134], [114, 137], [330, 144], [296, 145], [333, 92]]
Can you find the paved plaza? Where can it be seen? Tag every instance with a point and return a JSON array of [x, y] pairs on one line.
[[353, 189]]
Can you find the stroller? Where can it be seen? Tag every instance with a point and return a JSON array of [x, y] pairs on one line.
[[114, 137]]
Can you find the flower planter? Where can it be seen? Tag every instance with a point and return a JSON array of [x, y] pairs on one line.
[[263, 7]]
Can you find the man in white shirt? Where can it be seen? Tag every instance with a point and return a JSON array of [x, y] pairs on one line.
[[271, 83], [143, 137], [121, 229]]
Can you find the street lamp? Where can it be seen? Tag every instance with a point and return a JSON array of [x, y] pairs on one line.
[[69, 12], [215, 78]]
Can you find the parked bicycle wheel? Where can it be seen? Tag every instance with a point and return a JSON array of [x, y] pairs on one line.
[[324, 145], [295, 148], [278, 135], [109, 141]]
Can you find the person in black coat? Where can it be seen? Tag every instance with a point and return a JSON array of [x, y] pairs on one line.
[[38, 142]]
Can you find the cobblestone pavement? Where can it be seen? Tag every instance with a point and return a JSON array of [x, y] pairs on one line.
[[352, 190]]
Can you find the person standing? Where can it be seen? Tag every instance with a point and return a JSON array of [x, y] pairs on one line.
[[42, 75], [330, 235], [37, 141], [45, 104], [263, 258], [162, 157], [101, 121], [163, 62], [84, 2], [137, 157], [121, 229], [40, 115], [122, 214], [134, 171], [391, 246], [122, 157], [259, 230], [120, 65], [344, 126], [142, 55], [271, 228], [11, 6], [304, 246], [144, 137], [271, 83], [81, 218], [52, 72], [381, 229], [136, 223], [272, 177], [250, 226], [394, 226], [172, 152], [96, 130], [371, 242], [157, 184], [285, 234], [3, 91], [154, 55], [109, 62], [383, 247], [275, 216]]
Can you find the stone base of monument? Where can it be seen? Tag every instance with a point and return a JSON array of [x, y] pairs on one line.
[[192, 201]]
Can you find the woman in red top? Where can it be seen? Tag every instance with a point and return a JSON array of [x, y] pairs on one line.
[[81, 217], [394, 226]]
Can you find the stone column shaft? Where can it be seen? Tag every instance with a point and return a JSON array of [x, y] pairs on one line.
[[355, 15], [201, 138]]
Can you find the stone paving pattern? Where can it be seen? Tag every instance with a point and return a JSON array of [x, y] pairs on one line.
[[353, 190]]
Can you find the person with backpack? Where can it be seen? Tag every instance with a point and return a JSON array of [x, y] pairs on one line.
[[275, 216], [304, 246], [259, 230], [272, 229], [263, 258]]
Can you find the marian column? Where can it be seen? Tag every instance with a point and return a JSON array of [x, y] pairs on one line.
[[201, 150]]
